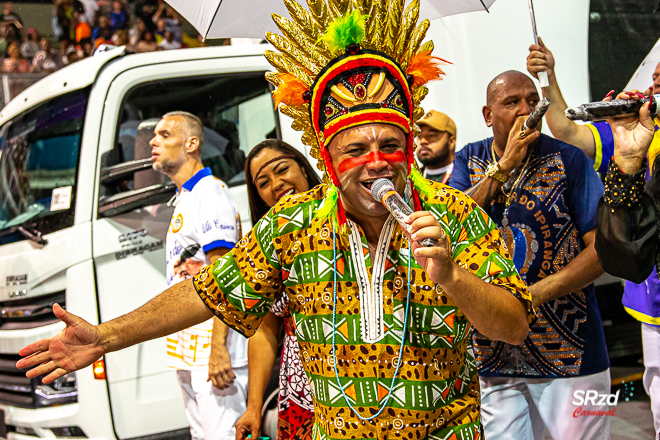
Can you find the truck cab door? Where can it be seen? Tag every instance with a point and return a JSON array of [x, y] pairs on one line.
[[132, 215]]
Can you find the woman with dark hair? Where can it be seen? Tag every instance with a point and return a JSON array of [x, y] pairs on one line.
[[292, 168], [274, 170]]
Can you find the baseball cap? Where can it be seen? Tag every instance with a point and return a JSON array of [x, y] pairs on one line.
[[438, 121]]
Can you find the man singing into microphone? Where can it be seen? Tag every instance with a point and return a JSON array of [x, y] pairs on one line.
[[543, 194], [383, 324]]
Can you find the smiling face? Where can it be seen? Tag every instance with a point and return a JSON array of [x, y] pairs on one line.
[[278, 178], [362, 154]]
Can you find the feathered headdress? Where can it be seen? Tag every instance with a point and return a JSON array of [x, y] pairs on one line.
[[344, 63]]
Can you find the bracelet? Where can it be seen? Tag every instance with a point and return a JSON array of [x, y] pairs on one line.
[[623, 189]]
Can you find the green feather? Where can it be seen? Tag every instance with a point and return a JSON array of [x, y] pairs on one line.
[[422, 185], [345, 31], [328, 208]]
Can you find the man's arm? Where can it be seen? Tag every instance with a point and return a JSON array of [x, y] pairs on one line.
[[80, 343], [262, 352], [541, 59], [485, 191], [583, 270], [220, 373], [479, 301]]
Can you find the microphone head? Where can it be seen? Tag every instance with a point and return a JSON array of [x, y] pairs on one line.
[[575, 113], [380, 187]]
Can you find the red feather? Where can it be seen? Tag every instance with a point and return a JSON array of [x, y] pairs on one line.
[[424, 68], [289, 91]]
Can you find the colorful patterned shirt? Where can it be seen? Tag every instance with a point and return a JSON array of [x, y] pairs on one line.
[[553, 206], [436, 393]]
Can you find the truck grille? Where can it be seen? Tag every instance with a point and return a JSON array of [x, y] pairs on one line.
[[31, 312], [15, 388]]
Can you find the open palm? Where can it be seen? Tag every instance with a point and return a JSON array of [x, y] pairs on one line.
[[75, 347]]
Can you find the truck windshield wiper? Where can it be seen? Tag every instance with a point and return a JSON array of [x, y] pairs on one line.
[[28, 232]]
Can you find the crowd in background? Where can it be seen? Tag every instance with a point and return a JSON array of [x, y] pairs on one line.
[[81, 26]]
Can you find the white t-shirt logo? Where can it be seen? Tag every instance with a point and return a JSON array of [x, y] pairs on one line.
[[177, 224]]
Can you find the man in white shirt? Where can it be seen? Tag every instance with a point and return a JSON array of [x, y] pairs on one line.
[[435, 146], [210, 358]]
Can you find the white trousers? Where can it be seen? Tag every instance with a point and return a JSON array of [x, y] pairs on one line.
[[210, 411], [519, 408], [651, 342]]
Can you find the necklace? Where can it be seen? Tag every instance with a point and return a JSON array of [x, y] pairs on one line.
[[334, 331], [515, 183]]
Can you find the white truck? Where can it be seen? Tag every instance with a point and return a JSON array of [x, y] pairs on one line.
[[83, 219]]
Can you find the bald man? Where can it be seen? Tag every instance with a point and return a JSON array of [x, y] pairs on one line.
[[542, 193]]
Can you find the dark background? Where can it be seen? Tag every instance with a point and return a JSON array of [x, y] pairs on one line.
[[621, 34]]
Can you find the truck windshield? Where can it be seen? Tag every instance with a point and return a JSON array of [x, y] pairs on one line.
[[39, 153]]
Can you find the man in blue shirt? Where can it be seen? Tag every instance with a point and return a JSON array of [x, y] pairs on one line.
[[543, 194]]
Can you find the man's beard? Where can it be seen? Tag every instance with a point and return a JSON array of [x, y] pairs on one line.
[[435, 160], [166, 167]]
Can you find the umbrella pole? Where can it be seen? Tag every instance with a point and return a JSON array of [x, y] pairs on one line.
[[543, 76]]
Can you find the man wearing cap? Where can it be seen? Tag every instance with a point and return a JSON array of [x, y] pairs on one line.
[[435, 146]]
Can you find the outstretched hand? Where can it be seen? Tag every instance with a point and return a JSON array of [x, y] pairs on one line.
[[74, 348], [632, 135]]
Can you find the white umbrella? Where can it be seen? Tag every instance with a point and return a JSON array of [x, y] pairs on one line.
[[252, 18], [643, 77], [432, 9]]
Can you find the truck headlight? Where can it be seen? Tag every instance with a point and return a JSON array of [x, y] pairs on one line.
[[62, 390]]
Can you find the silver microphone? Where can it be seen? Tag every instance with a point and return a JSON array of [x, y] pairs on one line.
[[383, 191]]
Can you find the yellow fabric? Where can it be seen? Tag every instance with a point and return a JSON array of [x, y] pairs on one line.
[[598, 147], [654, 149], [643, 317]]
